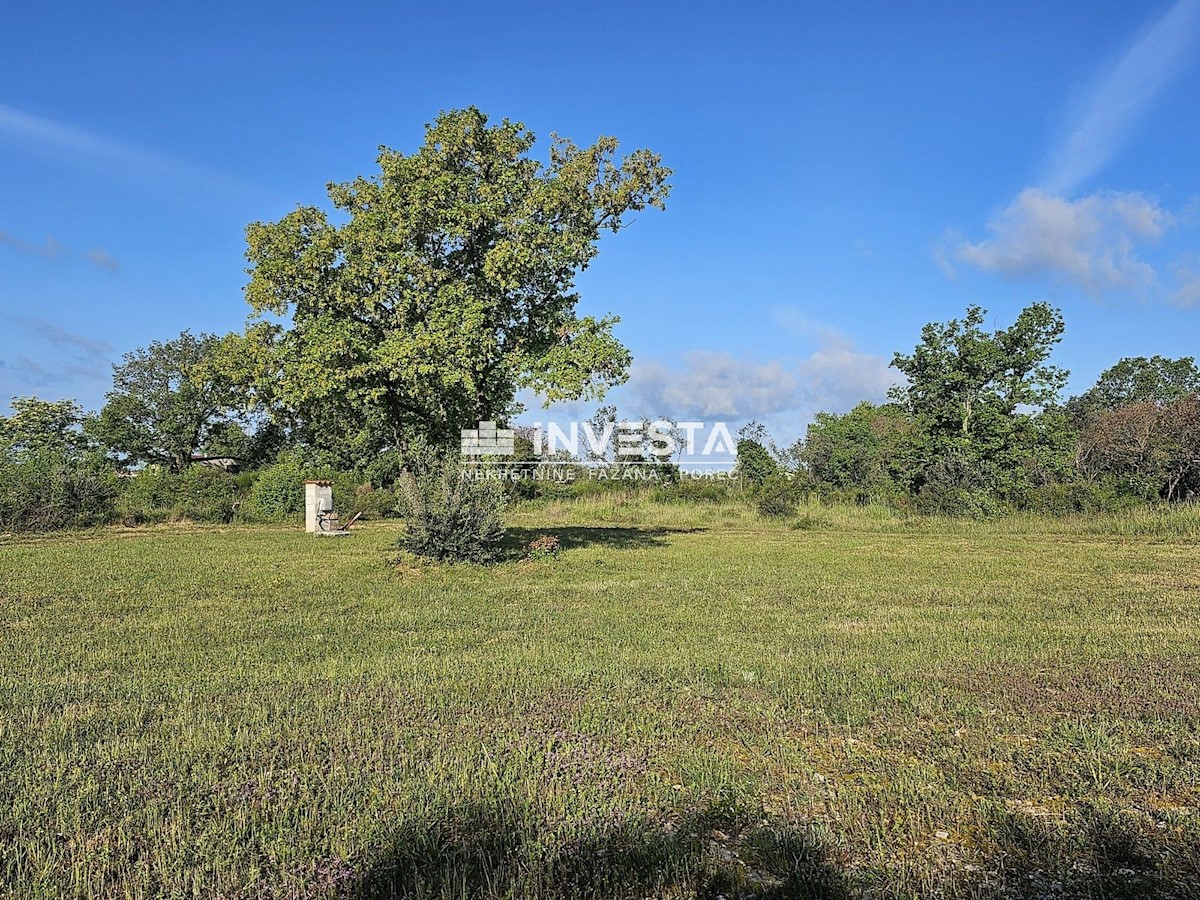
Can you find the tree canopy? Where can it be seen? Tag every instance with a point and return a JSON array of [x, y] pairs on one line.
[[1136, 379], [43, 426], [444, 284], [963, 381]]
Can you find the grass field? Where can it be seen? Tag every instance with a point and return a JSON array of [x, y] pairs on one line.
[[686, 702]]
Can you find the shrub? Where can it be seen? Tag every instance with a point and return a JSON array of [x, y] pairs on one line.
[[278, 492], [940, 499], [545, 547], [754, 462], [364, 499], [43, 490], [695, 490], [207, 495], [450, 517], [148, 496], [776, 498]]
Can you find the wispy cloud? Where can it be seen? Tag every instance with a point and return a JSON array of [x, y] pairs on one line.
[[1098, 241], [98, 256], [1120, 95], [61, 339], [159, 172], [51, 248], [1090, 242], [1187, 287], [837, 375], [67, 364], [24, 374]]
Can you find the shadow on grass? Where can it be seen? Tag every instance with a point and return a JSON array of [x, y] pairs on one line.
[[491, 851], [1104, 855], [573, 536], [485, 850]]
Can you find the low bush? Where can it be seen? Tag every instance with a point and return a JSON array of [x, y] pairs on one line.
[[200, 494], [939, 499], [278, 492], [777, 497], [697, 490], [450, 516], [148, 496], [363, 499], [207, 495], [547, 546]]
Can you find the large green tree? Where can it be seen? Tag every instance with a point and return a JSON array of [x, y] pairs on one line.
[[443, 284]]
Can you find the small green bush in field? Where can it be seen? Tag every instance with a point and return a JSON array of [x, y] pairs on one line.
[[148, 496], [450, 516], [547, 546], [776, 498]]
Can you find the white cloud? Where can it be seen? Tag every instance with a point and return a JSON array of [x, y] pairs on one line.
[[712, 385], [1120, 95], [837, 378], [1090, 242]]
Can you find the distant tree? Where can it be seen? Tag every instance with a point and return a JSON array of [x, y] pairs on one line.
[[447, 286], [1153, 446], [964, 382], [756, 431], [755, 462], [979, 400], [168, 402], [36, 426], [51, 475], [1158, 380], [603, 443]]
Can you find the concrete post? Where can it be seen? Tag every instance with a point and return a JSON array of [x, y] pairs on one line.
[[314, 493]]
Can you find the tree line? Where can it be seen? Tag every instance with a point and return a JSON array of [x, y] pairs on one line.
[[979, 427], [429, 294]]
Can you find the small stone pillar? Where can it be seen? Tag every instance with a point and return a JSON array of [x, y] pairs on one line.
[[318, 496]]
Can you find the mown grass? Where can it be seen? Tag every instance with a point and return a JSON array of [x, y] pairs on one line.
[[688, 701]]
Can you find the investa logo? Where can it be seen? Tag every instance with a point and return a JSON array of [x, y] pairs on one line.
[[660, 438]]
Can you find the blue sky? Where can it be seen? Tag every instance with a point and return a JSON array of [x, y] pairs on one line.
[[844, 173]]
